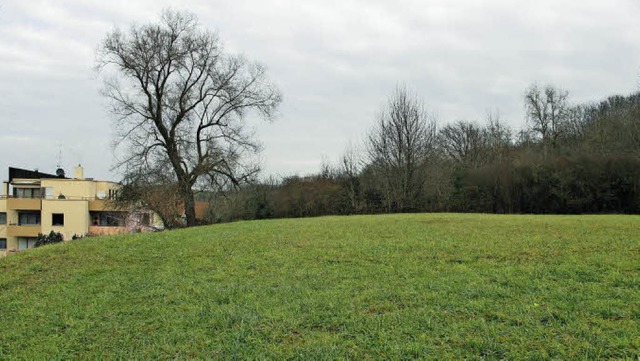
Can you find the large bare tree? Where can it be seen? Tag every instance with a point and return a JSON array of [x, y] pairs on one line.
[[181, 103], [399, 147]]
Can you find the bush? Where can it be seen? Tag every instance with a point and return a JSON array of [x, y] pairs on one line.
[[52, 237]]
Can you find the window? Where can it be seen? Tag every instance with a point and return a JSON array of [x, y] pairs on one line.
[[48, 193], [26, 192], [113, 194], [57, 219], [3, 243], [108, 219], [26, 243], [146, 219], [3, 218], [28, 219]]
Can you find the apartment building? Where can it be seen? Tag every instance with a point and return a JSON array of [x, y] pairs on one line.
[[32, 202]]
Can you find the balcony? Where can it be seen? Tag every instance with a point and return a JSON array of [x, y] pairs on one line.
[[23, 231], [106, 231], [97, 205], [24, 204]]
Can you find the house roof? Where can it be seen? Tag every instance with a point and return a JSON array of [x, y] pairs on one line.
[[28, 174]]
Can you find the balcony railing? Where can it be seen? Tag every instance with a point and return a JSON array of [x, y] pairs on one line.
[[23, 230], [74, 198], [18, 197], [27, 204]]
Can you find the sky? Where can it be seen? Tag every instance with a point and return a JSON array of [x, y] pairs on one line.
[[335, 62]]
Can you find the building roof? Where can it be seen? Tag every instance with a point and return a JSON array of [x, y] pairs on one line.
[[29, 174]]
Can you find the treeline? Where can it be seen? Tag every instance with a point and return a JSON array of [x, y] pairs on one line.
[[569, 158]]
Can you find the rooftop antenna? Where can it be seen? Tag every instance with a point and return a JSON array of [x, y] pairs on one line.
[[59, 171], [59, 155]]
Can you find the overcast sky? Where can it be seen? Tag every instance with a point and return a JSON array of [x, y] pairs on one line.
[[335, 62]]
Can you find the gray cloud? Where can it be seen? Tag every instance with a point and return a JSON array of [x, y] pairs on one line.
[[335, 62]]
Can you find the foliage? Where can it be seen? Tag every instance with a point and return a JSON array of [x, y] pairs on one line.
[[419, 286], [589, 163], [51, 238], [162, 197]]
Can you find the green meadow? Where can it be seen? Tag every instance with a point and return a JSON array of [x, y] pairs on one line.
[[412, 286]]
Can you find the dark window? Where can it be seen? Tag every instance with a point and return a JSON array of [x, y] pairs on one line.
[[57, 219], [108, 219], [113, 194], [146, 219], [3, 243], [28, 219], [3, 218]]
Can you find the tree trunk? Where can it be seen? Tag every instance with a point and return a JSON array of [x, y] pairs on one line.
[[189, 205]]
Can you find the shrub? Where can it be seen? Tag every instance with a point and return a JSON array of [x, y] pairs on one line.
[[52, 237]]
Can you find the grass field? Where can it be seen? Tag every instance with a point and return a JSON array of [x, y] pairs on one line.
[[433, 286]]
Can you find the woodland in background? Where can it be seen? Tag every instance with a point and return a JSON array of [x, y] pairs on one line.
[[570, 158]]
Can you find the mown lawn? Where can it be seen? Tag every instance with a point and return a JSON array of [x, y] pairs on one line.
[[435, 286]]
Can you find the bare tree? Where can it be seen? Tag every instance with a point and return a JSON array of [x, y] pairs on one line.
[[153, 191], [547, 111], [349, 170], [399, 147], [498, 137], [180, 104], [463, 142]]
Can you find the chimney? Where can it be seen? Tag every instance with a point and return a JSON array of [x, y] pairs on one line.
[[5, 189], [78, 172]]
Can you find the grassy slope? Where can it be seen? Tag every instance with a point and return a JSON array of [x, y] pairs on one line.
[[433, 286]]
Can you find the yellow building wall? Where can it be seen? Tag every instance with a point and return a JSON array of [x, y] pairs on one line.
[[70, 188], [76, 217], [104, 187], [12, 216], [3, 227], [77, 188]]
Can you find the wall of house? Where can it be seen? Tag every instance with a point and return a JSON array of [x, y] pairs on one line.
[[103, 187], [106, 231], [70, 188], [12, 217], [12, 241], [76, 216], [3, 227], [12, 245], [76, 188]]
